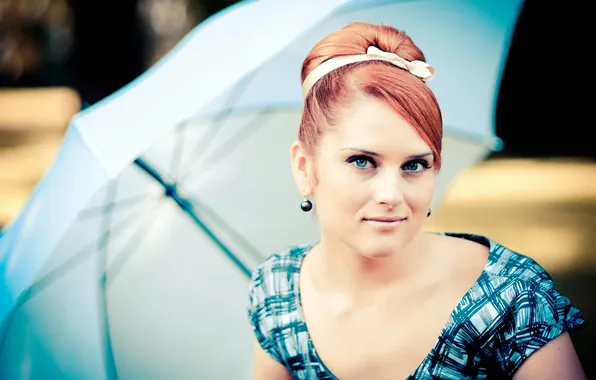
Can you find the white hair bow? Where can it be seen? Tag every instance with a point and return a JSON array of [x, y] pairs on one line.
[[420, 69]]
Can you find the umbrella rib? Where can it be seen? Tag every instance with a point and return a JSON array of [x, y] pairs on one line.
[[103, 248], [128, 251], [55, 275], [192, 214], [179, 147], [220, 117], [186, 206], [241, 239], [228, 147], [245, 111], [207, 138], [129, 202]]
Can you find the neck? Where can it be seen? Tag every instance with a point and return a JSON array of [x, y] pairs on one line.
[[338, 267]]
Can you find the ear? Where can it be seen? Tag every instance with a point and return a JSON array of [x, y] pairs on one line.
[[302, 167]]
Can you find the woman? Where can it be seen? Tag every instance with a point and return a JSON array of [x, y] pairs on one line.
[[376, 297]]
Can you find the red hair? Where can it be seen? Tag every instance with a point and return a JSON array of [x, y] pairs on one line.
[[405, 93]]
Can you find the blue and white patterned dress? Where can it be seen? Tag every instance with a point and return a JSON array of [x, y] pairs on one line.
[[511, 310]]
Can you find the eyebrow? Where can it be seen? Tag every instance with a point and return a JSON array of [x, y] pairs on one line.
[[374, 154]]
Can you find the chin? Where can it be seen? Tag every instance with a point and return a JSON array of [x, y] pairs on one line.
[[379, 248]]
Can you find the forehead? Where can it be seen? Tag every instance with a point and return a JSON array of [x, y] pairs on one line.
[[371, 124]]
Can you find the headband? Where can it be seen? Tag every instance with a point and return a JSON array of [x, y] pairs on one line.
[[420, 69]]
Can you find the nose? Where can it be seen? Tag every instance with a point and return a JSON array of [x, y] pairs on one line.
[[387, 189]]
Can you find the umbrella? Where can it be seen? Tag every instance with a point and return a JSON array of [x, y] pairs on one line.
[[131, 257]]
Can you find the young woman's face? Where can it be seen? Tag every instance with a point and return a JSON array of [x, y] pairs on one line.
[[373, 179]]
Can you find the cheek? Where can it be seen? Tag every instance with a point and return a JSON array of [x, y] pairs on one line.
[[340, 191], [419, 193]]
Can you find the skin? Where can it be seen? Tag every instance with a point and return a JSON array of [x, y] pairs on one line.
[[371, 178]]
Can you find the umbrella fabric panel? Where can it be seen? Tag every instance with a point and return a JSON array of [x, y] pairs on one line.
[[58, 324], [237, 173], [49, 212], [205, 63], [169, 293], [179, 299]]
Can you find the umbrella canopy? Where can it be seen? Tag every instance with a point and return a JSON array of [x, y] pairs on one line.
[[131, 258]]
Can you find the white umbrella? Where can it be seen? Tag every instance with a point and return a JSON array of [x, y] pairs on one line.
[[131, 258]]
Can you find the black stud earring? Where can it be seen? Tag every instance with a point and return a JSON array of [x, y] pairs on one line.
[[306, 205], [428, 214]]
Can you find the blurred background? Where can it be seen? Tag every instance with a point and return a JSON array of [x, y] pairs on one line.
[[536, 196]]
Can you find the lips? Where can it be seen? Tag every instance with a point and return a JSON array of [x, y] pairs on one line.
[[385, 219]]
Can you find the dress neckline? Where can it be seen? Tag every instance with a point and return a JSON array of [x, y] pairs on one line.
[[491, 245]]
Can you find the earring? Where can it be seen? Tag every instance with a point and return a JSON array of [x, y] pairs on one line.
[[428, 214], [306, 205]]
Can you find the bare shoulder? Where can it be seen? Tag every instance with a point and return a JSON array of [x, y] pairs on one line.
[[460, 254], [265, 367]]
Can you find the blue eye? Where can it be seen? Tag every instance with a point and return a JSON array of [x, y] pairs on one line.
[[416, 166], [412, 166], [361, 162]]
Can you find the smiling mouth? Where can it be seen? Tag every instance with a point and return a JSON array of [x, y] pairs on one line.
[[385, 220]]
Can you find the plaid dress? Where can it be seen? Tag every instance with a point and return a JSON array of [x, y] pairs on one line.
[[512, 310]]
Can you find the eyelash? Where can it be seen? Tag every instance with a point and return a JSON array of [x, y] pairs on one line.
[[424, 163]]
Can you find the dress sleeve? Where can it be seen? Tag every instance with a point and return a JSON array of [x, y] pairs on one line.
[[260, 316], [539, 314]]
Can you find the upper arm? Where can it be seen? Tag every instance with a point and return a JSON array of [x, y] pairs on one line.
[[557, 359], [267, 357], [267, 368], [536, 340]]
